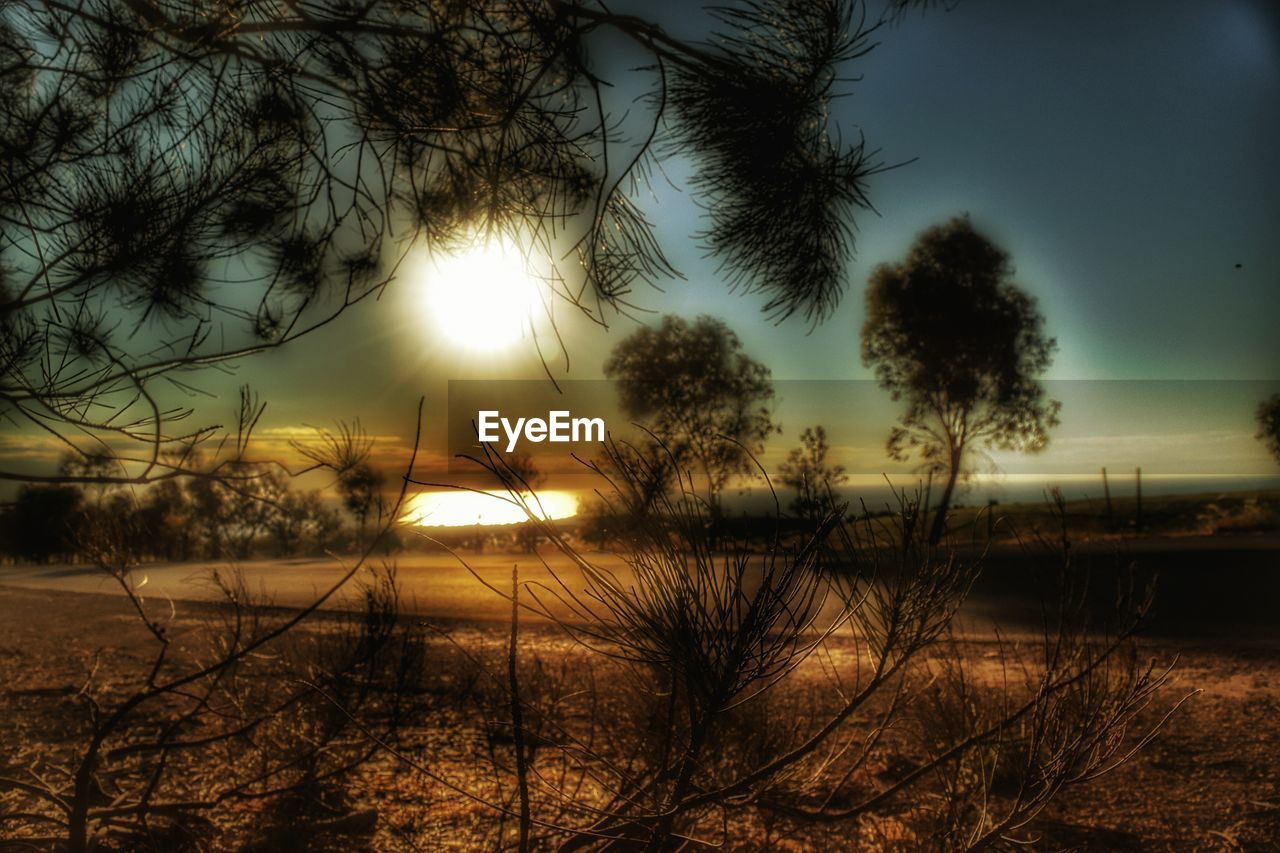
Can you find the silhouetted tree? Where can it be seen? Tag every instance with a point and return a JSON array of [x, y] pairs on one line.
[[254, 500], [166, 517], [94, 470], [111, 531], [361, 490], [211, 514], [704, 400], [525, 474], [180, 519], [326, 529], [643, 476], [950, 334], [38, 525], [188, 182], [807, 472], [1269, 424], [294, 520]]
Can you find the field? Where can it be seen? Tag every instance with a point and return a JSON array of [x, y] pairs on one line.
[[1193, 514], [1209, 780]]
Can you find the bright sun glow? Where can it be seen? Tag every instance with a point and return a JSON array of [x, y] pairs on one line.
[[458, 509], [482, 297]]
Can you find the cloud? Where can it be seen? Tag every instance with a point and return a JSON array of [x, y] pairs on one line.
[[28, 447]]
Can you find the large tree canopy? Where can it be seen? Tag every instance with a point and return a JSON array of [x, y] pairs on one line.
[[951, 335], [187, 182], [703, 399]]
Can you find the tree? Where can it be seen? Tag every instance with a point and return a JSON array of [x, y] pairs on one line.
[[212, 515], [523, 473], [806, 471], [702, 399], [361, 490], [168, 522], [39, 524], [1268, 416], [187, 183], [254, 501], [295, 518], [952, 336]]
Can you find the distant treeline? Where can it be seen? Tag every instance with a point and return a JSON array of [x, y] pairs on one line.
[[251, 513]]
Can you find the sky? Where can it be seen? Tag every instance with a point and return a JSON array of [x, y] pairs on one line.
[[1123, 154]]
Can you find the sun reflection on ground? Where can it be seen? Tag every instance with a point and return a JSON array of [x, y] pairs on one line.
[[462, 508]]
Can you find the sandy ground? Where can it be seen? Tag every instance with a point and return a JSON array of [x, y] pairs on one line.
[[1211, 780], [1198, 585], [433, 585]]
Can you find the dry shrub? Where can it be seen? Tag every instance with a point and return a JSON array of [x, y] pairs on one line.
[[250, 710], [714, 692], [703, 720]]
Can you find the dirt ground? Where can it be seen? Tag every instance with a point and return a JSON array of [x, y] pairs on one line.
[[1210, 780]]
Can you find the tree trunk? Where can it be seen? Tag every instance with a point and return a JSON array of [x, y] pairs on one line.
[[939, 525]]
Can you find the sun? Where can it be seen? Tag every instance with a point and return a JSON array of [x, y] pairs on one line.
[[464, 508], [482, 296]]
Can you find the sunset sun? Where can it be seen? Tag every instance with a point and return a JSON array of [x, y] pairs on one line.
[[481, 296], [462, 508]]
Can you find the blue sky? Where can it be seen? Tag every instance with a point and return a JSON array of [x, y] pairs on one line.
[[1123, 153]]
